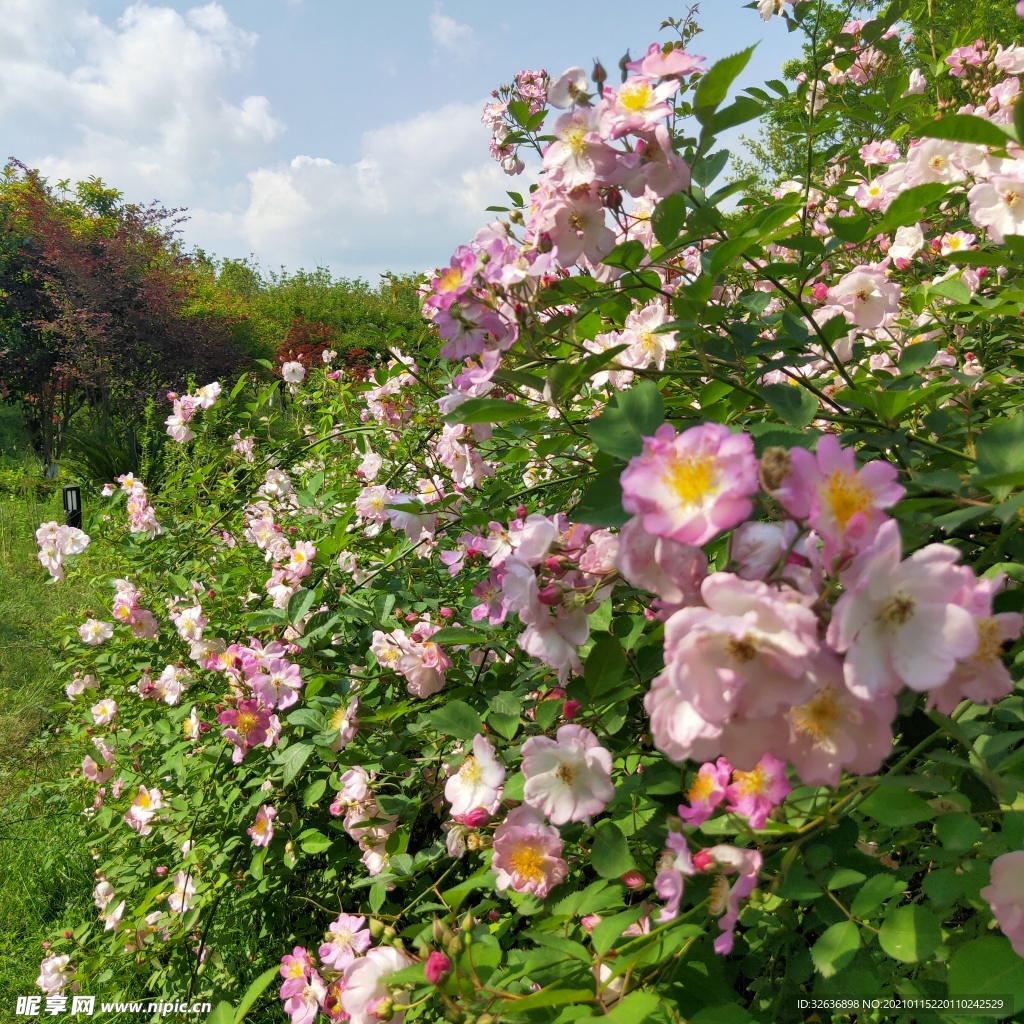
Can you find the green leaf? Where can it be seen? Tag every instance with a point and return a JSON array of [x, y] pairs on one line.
[[223, 1013], [1018, 121], [714, 85], [489, 410], [601, 503], [292, 760], [254, 991], [264, 620], [299, 603], [605, 667], [910, 934], [546, 997], [964, 128], [909, 206], [896, 807], [791, 403], [633, 414], [636, 1006], [1000, 449], [456, 635], [668, 218], [609, 855], [456, 719], [835, 948], [626, 255], [958, 832], [988, 967], [874, 892]]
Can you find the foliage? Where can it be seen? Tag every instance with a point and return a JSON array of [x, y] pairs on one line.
[[653, 652], [779, 152], [92, 295]]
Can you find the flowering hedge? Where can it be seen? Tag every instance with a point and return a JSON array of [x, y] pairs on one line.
[[653, 654]]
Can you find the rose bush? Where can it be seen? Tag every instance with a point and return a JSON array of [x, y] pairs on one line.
[[652, 654]]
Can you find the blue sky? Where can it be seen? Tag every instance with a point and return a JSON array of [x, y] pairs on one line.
[[310, 132]]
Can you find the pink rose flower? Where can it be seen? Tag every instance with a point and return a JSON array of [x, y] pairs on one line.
[[691, 486], [262, 831], [754, 794], [567, 778], [1005, 896], [528, 853]]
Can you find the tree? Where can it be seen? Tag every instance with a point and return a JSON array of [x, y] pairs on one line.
[[94, 305]]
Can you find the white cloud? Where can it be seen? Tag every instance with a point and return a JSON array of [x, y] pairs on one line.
[[140, 103], [147, 104], [418, 189], [450, 34]]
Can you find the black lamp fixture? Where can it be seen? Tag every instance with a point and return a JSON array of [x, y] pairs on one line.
[[73, 505]]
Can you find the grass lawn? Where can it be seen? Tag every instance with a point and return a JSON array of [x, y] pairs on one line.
[[45, 868]]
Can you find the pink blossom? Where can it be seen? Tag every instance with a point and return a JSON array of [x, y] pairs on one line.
[[1005, 894], [568, 778], [347, 938], [706, 793], [262, 831], [725, 899], [293, 372], [744, 654], [754, 794], [869, 297], [568, 89], [663, 61], [646, 346], [277, 683], [94, 632], [527, 853], [249, 725], [143, 809], [477, 785], [104, 711], [884, 152], [55, 974], [843, 504], [691, 486], [184, 889], [674, 864], [366, 985], [637, 106], [897, 621], [578, 156], [982, 677], [663, 566], [998, 204]]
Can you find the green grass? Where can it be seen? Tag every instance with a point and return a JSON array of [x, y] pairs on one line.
[[45, 867]]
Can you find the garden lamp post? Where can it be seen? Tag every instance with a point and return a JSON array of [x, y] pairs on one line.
[[73, 505]]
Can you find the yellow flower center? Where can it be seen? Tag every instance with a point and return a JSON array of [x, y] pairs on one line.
[[635, 96], [449, 280], [566, 773], [246, 723], [845, 495], [990, 647], [702, 788], [575, 138], [691, 477], [742, 650], [718, 899], [143, 800], [470, 770], [294, 969], [526, 861], [819, 717], [338, 718], [1011, 197], [752, 783], [897, 610]]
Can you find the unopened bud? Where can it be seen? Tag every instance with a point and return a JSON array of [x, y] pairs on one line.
[[468, 922], [570, 709], [551, 595], [623, 61], [376, 927], [598, 75]]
